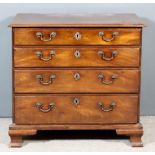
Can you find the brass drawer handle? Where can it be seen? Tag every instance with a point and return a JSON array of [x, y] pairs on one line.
[[77, 36], [113, 36], [102, 78], [41, 56], [40, 106], [41, 36], [110, 108], [103, 56], [77, 76], [76, 101], [41, 79]]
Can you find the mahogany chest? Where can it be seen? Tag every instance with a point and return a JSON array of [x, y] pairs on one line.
[[76, 72]]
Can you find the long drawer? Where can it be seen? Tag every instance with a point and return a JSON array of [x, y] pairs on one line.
[[77, 36], [76, 109], [77, 57], [76, 80]]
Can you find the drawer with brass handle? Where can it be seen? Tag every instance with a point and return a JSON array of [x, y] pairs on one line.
[[76, 80], [91, 109], [77, 36], [77, 57]]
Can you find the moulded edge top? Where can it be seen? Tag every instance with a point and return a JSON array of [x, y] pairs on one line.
[[77, 20]]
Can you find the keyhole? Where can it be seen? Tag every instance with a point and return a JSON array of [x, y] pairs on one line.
[[77, 76], [77, 54], [77, 36], [76, 101]]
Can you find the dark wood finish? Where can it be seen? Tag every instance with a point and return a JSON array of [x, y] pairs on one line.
[[67, 112], [65, 36], [127, 81], [89, 57], [77, 20], [123, 115]]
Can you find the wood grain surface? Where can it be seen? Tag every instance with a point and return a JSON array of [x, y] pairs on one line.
[[66, 57], [66, 36], [77, 20], [127, 81], [65, 111]]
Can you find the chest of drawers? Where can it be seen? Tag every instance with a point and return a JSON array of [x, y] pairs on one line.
[[76, 72]]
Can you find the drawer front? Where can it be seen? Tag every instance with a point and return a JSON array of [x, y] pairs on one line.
[[77, 36], [79, 80], [76, 109], [77, 57]]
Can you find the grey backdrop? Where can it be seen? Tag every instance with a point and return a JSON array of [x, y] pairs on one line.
[[146, 11]]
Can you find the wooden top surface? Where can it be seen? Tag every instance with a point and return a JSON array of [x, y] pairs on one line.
[[77, 20]]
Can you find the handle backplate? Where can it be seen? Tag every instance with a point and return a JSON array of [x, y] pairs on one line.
[[40, 35], [109, 108], [103, 55], [40, 55], [40, 106], [113, 36], [41, 79], [101, 77]]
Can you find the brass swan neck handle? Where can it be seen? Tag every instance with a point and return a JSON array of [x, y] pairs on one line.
[[113, 36], [109, 108], [101, 77], [103, 55], [40, 35], [40, 106], [41, 79], [40, 55]]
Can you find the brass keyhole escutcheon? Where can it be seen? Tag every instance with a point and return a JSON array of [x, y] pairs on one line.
[[77, 76], [77, 36], [76, 101], [77, 54]]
